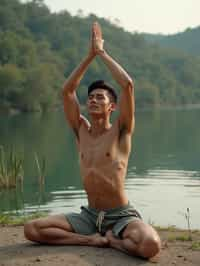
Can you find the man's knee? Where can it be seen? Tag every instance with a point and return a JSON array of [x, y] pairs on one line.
[[31, 230], [145, 244], [149, 247]]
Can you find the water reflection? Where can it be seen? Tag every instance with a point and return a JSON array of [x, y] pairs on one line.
[[163, 175]]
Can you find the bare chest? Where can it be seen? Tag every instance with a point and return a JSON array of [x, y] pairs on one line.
[[100, 150]]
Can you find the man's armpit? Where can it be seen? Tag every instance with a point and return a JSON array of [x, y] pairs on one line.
[[84, 121], [76, 133], [126, 129]]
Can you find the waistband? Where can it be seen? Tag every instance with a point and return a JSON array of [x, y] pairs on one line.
[[110, 210]]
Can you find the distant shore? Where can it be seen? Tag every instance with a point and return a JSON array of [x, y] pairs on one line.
[[15, 111]]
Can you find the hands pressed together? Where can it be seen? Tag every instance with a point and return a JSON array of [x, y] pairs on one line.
[[97, 42]]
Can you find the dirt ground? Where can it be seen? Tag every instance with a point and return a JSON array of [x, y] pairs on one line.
[[15, 250]]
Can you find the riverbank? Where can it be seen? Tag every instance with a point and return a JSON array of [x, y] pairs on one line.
[[15, 111], [177, 250]]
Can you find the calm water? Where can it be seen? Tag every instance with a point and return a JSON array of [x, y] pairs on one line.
[[163, 175]]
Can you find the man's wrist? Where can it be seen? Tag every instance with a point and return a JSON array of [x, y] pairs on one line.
[[91, 56], [101, 52]]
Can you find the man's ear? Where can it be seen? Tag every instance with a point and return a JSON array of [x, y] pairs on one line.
[[113, 106]]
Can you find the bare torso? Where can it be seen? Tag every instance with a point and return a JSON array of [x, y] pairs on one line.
[[103, 164]]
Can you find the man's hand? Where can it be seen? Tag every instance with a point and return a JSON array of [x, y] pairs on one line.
[[96, 40]]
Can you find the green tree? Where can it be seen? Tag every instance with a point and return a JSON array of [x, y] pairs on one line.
[[11, 79], [147, 94], [8, 48]]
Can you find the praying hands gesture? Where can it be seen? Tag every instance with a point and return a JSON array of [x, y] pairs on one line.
[[97, 42], [126, 117]]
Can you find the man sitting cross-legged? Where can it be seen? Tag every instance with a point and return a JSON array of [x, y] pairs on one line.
[[104, 149]]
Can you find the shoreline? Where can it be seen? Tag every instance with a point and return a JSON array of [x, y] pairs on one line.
[[16, 250], [179, 247], [14, 111], [18, 219]]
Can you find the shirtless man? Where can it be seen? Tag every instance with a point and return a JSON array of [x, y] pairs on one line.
[[109, 219]]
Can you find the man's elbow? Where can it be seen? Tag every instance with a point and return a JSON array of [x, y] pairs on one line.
[[130, 83], [69, 88], [66, 92], [65, 89]]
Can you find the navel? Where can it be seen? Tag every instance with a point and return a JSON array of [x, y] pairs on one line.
[[121, 165], [82, 156], [107, 154]]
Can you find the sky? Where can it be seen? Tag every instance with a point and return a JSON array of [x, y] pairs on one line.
[[152, 16]]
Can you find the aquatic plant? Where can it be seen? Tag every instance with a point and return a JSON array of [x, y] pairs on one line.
[[41, 167], [187, 217], [11, 169]]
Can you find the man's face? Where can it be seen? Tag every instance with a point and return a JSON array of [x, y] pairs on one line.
[[99, 102]]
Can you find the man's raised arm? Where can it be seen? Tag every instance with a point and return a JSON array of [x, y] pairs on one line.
[[127, 102], [71, 104]]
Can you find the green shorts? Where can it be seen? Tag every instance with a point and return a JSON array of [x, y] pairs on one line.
[[90, 221]]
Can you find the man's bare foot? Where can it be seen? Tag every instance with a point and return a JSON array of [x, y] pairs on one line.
[[99, 241], [113, 241]]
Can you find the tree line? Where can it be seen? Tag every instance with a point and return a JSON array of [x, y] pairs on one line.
[[39, 49], [188, 41]]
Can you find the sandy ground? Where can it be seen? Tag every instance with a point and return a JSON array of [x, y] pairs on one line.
[[15, 250]]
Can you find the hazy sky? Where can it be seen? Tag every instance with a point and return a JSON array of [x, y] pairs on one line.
[[164, 16]]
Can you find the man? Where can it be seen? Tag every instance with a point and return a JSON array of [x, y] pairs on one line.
[[109, 219]]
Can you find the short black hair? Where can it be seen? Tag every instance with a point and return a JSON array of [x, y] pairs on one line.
[[100, 84]]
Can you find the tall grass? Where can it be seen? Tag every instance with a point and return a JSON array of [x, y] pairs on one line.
[[12, 176], [41, 168], [11, 169], [187, 218]]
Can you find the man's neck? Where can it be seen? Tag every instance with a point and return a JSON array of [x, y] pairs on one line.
[[99, 126]]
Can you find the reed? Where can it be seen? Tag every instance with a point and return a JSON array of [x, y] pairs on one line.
[[11, 169], [187, 217], [41, 167]]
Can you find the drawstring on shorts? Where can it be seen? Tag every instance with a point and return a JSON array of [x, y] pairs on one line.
[[100, 219]]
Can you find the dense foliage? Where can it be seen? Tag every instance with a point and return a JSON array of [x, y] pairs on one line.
[[39, 48], [187, 41]]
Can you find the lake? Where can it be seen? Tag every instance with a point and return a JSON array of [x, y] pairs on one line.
[[163, 178]]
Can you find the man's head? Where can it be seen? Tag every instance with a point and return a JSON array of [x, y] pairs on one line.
[[102, 98]]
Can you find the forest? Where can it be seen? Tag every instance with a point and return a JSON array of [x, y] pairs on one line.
[[39, 49], [187, 41]]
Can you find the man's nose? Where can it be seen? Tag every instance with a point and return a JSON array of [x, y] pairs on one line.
[[93, 100]]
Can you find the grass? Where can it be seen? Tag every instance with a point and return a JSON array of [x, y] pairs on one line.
[[186, 234], [11, 169], [187, 218], [170, 228], [9, 219], [41, 167], [12, 174], [182, 237], [195, 245]]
